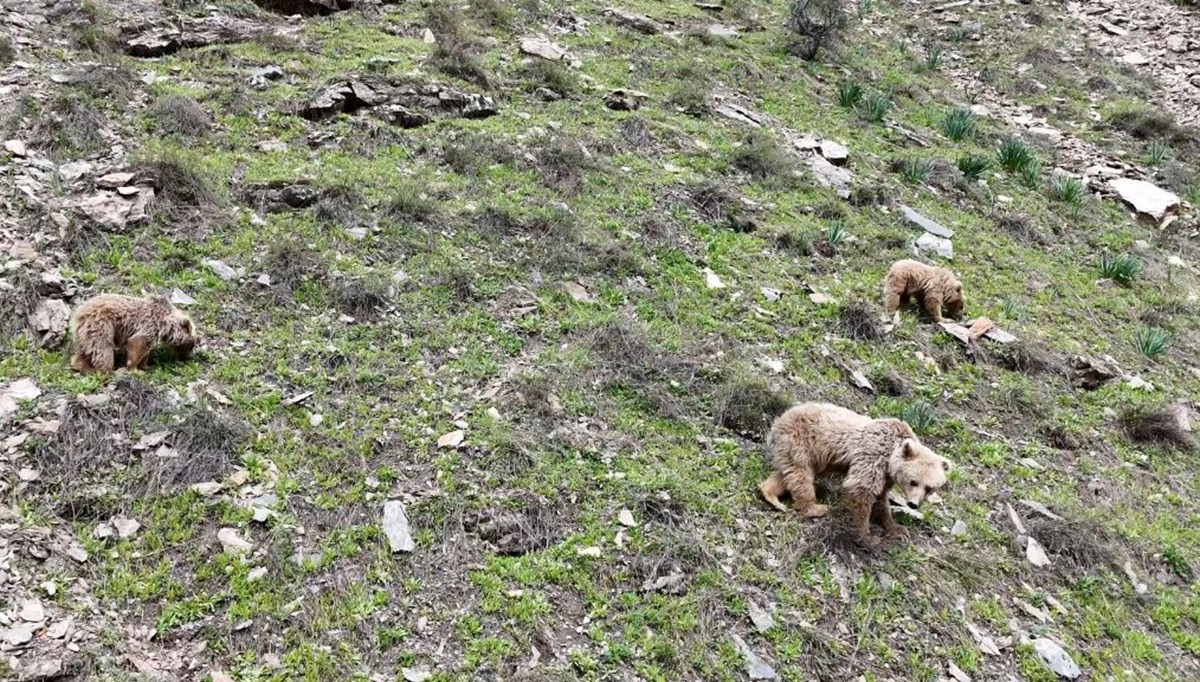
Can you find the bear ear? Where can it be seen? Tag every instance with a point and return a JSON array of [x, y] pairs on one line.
[[945, 464], [910, 450]]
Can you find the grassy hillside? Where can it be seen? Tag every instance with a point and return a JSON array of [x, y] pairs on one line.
[[544, 281]]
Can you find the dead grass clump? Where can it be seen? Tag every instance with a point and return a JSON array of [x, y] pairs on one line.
[[749, 406], [621, 347], [537, 393], [411, 206], [18, 297], [360, 297], [522, 525], [69, 127], [1084, 544], [1023, 357], [339, 206], [636, 132], [507, 221], [720, 206], [762, 157], [206, 444], [84, 447], [861, 320], [1154, 124], [493, 13], [469, 154], [1162, 425], [564, 164], [180, 115], [1018, 225], [890, 382], [457, 51], [182, 184], [7, 53], [541, 73], [290, 263]]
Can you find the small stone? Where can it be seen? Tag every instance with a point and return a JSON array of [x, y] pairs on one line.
[[819, 298], [1056, 659], [256, 574], [452, 439], [29, 475], [49, 587], [1036, 553], [416, 674], [15, 147], [756, 668], [623, 99], [929, 243], [593, 552], [395, 527], [959, 528], [77, 553], [577, 292], [544, 48], [31, 611], [262, 515], [428, 38], [17, 635], [712, 280], [1134, 59], [316, 419], [232, 542], [760, 617], [181, 299], [206, 489], [125, 527], [218, 676], [625, 518], [113, 180], [221, 270], [955, 672], [835, 153]]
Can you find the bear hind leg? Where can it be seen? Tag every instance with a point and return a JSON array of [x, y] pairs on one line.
[[799, 482], [771, 489]]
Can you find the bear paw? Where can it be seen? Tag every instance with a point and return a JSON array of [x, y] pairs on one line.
[[815, 511], [897, 533]]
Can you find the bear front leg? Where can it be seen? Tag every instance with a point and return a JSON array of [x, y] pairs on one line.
[[137, 352], [859, 504], [933, 306], [892, 299], [881, 514]]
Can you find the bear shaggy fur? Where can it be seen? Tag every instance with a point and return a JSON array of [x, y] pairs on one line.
[[108, 323], [933, 288], [813, 440]]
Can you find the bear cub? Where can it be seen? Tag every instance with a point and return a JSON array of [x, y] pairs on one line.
[[107, 323], [813, 440], [932, 287]]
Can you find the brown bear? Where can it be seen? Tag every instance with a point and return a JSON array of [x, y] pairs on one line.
[[814, 440], [933, 287], [107, 323]]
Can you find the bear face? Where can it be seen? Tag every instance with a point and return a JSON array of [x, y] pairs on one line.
[[180, 334], [954, 301], [918, 471]]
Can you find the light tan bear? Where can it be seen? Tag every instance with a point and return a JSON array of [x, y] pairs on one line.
[[107, 323], [931, 286], [814, 440]]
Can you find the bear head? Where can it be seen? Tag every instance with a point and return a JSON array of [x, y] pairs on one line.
[[952, 296], [179, 332], [917, 471]]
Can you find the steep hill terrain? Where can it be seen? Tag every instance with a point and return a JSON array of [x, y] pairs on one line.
[[498, 299]]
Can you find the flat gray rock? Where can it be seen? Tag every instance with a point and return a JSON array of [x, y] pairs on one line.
[[755, 666], [395, 527], [1057, 660], [930, 226], [931, 243], [1146, 198]]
